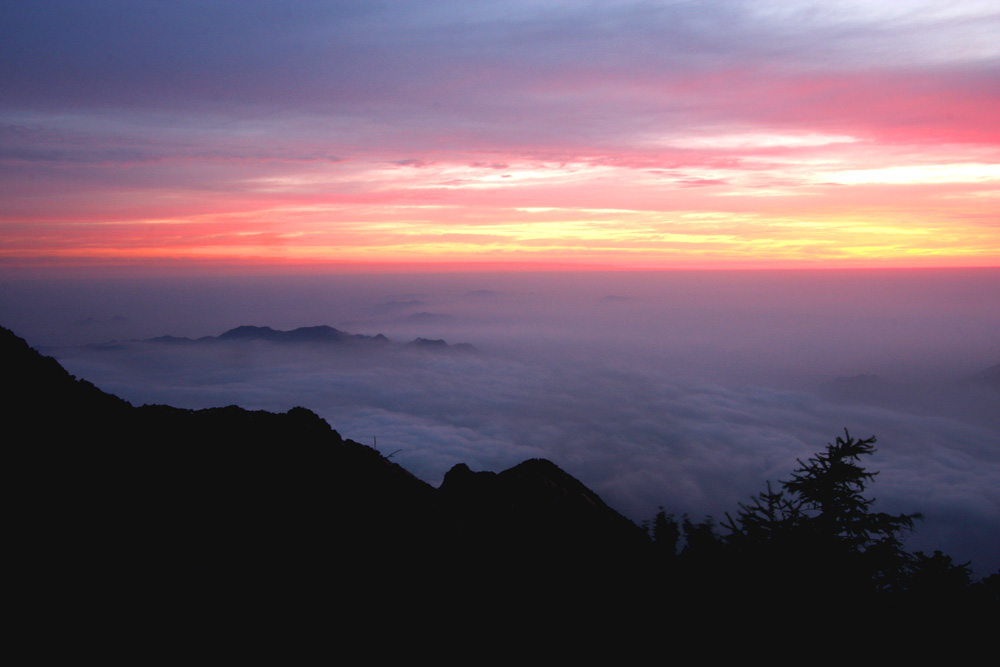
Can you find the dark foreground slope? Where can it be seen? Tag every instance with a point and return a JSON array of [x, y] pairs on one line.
[[160, 523], [224, 512]]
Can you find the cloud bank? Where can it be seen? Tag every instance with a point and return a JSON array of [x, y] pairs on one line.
[[685, 390], [627, 134]]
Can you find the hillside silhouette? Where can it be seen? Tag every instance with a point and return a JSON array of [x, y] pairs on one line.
[[120, 503], [230, 512]]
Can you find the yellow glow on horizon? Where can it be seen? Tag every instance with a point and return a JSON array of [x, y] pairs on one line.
[[572, 221]]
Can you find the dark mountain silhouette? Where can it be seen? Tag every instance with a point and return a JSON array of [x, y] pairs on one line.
[[154, 517], [231, 508], [537, 500], [90, 420]]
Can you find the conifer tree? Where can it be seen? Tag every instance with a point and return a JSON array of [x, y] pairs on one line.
[[821, 520]]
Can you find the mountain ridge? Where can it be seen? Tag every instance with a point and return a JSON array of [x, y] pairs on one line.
[[319, 334], [208, 498]]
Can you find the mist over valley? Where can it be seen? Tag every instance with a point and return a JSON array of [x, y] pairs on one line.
[[686, 390]]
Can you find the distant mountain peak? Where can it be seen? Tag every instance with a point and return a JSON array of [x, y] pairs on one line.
[[246, 331], [321, 333], [428, 342]]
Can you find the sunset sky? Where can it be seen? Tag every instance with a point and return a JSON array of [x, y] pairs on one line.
[[542, 133]]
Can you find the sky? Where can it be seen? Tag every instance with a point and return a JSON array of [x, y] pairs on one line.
[[476, 135]]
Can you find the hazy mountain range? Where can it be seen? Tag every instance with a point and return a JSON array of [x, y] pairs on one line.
[[317, 335]]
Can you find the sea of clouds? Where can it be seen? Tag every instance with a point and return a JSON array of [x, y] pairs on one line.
[[686, 390]]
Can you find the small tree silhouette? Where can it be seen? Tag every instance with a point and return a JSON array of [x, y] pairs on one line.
[[829, 489], [665, 533], [820, 525]]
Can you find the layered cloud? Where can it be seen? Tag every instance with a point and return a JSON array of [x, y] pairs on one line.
[[428, 132]]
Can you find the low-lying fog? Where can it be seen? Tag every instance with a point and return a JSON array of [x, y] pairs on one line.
[[686, 390]]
